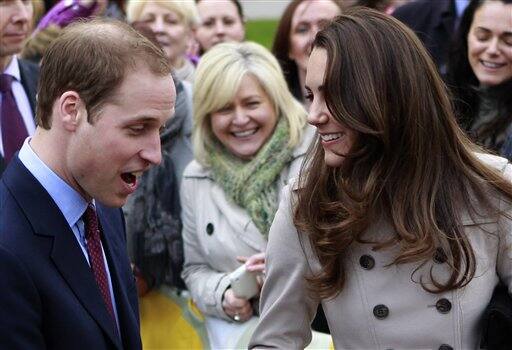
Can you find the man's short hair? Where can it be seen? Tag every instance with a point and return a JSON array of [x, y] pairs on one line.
[[92, 58]]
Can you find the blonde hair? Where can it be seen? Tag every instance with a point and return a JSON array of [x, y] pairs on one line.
[[218, 78], [185, 9]]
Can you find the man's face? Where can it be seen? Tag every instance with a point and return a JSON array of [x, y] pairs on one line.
[[105, 159], [15, 23]]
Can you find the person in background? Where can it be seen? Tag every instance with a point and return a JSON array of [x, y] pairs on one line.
[[114, 8], [300, 22], [18, 79], [66, 279], [386, 6], [399, 225], [480, 73], [249, 140], [39, 11], [36, 45], [435, 23], [66, 12], [173, 23], [221, 21], [51, 24]]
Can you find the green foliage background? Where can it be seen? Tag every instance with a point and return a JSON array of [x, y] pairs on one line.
[[261, 31]]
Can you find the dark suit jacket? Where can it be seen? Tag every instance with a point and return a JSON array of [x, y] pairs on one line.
[[49, 298], [29, 74], [433, 22]]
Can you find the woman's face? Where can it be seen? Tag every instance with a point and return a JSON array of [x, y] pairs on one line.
[[245, 124], [220, 22], [170, 30], [336, 138], [490, 43], [309, 17]]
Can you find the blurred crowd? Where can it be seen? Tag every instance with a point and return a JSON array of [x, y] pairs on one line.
[[240, 133]]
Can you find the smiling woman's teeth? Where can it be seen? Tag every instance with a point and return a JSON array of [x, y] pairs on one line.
[[330, 137], [491, 64], [245, 133]]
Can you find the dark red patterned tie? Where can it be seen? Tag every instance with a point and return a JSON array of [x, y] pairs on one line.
[[92, 235], [14, 131]]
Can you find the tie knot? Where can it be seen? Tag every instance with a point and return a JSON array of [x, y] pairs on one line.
[[5, 82], [90, 221]]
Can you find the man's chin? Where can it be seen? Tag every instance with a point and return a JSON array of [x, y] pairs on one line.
[[114, 201]]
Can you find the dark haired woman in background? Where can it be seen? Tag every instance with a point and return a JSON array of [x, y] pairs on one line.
[[480, 73], [399, 225], [300, 22]]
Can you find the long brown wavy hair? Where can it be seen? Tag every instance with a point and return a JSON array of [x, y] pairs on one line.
[[412, 165]]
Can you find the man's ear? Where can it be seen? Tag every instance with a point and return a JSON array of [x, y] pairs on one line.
[[71, 110]]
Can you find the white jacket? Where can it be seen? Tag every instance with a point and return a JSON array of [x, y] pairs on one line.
[[216, 231]]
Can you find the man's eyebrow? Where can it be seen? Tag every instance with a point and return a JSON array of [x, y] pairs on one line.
[[143, 119]]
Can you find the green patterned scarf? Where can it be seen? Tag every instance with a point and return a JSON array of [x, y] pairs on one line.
[[253, 184]]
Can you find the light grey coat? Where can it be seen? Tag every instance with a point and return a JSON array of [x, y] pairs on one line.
[[216, 231], [413, 320]]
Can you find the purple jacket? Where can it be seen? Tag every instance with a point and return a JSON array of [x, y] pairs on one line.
[[66, 12]]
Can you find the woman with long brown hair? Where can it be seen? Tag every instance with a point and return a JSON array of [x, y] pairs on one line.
[[399, 225]]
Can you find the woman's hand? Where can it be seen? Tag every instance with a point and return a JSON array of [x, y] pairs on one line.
[[140, 282], [253, 263], [238, 309]]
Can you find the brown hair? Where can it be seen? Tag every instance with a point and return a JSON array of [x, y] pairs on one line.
[[412, 165], [92, 58], [281, 48]]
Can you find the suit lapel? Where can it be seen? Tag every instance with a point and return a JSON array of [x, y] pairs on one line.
[[47, 220], [29, 75]]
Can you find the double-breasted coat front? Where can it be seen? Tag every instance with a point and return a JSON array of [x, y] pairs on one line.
[[382, 305]]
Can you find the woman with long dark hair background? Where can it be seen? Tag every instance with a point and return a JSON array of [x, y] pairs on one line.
[[480, 74]]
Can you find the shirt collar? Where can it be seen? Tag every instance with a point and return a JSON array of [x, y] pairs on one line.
[[13, 68], [460, 6], [70, 202]]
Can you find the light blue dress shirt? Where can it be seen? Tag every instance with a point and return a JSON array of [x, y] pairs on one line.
[[460, 6], [70, 203]]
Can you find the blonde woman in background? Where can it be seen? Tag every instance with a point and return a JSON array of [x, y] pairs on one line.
[[249, 139], [173, 23]]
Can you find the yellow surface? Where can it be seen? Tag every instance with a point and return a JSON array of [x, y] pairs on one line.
[[163, 325]]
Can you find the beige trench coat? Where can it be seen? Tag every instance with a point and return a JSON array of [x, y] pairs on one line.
[[216, 231], [381, 307]]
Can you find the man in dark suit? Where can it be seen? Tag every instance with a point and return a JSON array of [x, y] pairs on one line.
[[19, 77], [105, 92], [435, 22]]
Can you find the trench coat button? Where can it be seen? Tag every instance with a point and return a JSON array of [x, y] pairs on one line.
[[380, 311], [443, 306], [445, 347], [440, 256], [209, 229], [367, 262]]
